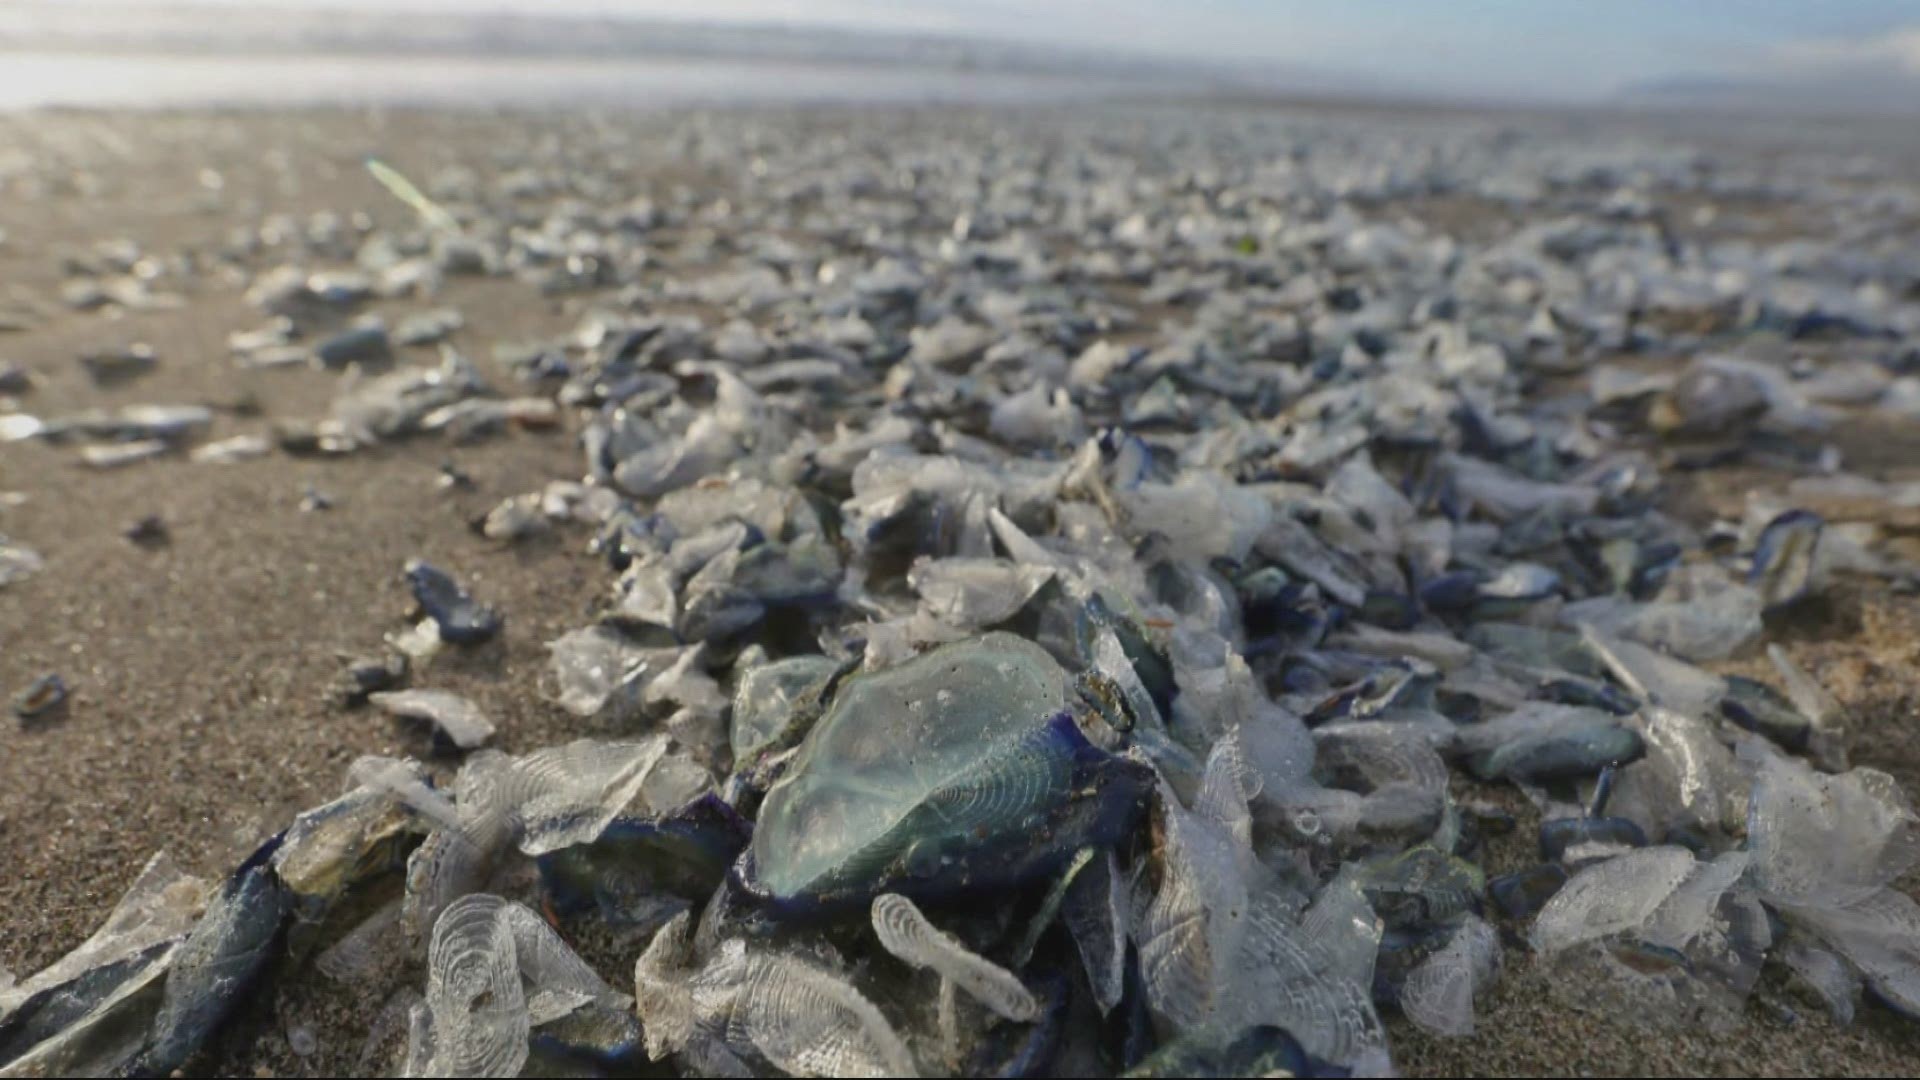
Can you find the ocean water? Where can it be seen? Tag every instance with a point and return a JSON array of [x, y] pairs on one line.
[[38, 79]]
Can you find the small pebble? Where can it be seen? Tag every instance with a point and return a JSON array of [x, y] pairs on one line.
[[313, 500], [148, 532]]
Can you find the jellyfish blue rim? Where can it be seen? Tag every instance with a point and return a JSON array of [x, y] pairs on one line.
[[1107, 796]]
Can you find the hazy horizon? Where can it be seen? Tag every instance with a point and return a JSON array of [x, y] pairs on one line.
[[1850, 55]]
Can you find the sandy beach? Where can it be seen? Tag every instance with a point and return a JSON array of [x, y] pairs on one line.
[[200, 723]]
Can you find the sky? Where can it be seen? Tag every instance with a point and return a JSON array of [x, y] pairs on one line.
[[1516, 50]]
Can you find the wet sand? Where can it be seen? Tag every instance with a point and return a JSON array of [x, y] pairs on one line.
[[199, 722]]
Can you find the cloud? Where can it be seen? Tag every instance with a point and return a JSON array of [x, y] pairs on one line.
[[1893, 53]]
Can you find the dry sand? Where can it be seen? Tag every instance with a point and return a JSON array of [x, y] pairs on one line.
[[199, 722]]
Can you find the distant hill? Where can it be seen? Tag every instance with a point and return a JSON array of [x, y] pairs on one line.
[[206, 28], [202, 28]]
